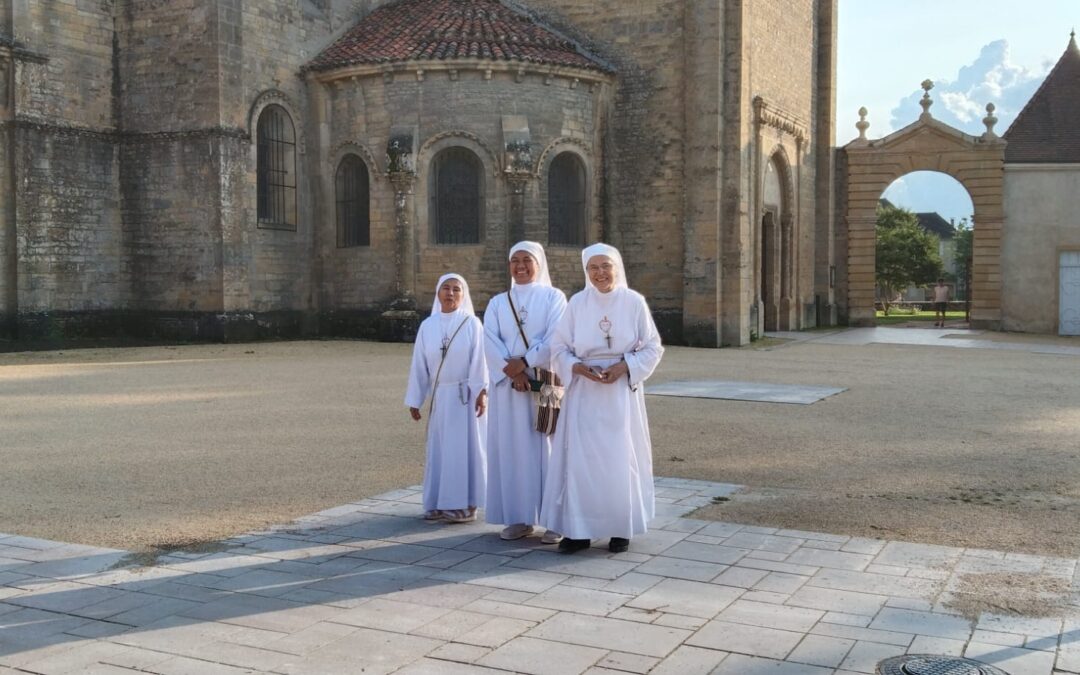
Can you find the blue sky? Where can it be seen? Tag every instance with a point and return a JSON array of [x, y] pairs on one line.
[[976, 52]]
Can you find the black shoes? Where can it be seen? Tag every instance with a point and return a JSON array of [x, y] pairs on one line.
[[568, 545], [616, 545]]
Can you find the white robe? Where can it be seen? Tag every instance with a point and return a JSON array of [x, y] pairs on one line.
[[600, 481], [517, 453], [455, 470]]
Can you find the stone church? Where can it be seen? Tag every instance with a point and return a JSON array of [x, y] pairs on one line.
[[233, 169]]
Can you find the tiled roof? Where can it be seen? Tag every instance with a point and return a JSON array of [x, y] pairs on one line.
[[934, 223], [1047, 130], [485, 30]]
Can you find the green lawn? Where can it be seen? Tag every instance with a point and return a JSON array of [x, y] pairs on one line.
[[904, 317]]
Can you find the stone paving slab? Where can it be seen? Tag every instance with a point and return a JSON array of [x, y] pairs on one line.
[[744, 391], [369, 587]]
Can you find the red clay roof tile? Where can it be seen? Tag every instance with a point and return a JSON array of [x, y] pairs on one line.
[[451, 29]]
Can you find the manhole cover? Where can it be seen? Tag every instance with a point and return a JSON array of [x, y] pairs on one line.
[[930, 664]]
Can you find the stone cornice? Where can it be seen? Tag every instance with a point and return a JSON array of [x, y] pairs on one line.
[[417, 70], [10, 49], [115, 136], [770, 115]]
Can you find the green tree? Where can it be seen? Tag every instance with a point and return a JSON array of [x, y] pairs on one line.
[[906, 253], [962, 251]]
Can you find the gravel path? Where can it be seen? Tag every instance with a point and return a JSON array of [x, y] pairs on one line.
[[148, 447]]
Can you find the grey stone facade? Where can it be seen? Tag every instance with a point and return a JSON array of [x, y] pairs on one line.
[[129, 165]]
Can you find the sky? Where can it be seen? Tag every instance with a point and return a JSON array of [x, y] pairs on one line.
[[975, 51]]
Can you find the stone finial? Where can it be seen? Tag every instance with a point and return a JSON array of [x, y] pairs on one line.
[[990, 120], [1072, 40], [862, 125], [926, 101]]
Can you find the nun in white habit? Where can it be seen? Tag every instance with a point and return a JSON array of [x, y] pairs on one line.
[[518, 326], [448, 365], [600, 482]]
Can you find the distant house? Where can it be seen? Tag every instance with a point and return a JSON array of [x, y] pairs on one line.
[[933, 223]]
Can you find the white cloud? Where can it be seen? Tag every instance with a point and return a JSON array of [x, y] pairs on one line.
[[961, 102]]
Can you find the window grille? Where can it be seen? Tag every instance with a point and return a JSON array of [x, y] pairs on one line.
[[457, 197], [566, 200], [276, 169], [353, 203]]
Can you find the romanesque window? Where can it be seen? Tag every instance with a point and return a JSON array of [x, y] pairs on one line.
[[276, 169], [352, 195], [566, 200], [456, 197]]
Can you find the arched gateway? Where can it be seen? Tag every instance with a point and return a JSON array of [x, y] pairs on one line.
[[977, 162]]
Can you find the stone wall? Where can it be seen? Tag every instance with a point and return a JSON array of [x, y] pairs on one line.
[[263, 46], [782, 44], [643, 207], [63, 219], [1036, 231], [450, 108]]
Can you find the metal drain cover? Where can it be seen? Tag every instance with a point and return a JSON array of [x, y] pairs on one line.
[[932, 664]]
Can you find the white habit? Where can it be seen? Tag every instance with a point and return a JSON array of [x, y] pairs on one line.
[[454, 473], [517, 453], [600, 481]]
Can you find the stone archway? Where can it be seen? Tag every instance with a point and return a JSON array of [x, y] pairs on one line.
[[977, 162]]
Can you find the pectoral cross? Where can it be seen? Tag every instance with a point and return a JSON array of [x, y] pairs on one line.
[[605, 325], [445, 346]]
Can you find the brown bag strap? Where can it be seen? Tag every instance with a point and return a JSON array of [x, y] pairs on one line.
[[517, 321]]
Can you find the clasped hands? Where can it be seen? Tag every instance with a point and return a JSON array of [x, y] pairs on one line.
[[515, 370], [612, 373]]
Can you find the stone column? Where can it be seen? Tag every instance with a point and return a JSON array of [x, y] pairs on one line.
[[9, 258], [404, 260], [518, 160], [400, 321], [824, 152], [517, 183]]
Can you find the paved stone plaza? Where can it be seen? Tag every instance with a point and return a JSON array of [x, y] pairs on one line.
[[370, 587]]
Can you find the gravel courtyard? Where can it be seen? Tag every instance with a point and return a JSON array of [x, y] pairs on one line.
[[140, 448]]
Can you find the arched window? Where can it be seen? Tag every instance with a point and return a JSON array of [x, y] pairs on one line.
[[276, 169], [566, 200], [456, 199], [352, 195]]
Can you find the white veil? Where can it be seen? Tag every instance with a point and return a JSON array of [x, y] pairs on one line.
[[543, 277], [466, 301], [616, 258]]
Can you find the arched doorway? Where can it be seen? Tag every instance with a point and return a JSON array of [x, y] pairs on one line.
[[924, 233], [776, 241], [977, 162]]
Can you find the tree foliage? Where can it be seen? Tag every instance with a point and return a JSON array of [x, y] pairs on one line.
[[963, 244], [907, 255]]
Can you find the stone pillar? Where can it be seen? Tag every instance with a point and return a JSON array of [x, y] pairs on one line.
[[986, 273], [516, 184], [824, 142], [703, 157], [861, 263], [518, 160], [9, 257], [404, 258]]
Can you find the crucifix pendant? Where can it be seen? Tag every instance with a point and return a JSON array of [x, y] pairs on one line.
[[445, 347], [605, 325]]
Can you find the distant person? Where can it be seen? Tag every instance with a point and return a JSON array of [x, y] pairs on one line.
[[448, 365], [941, 302]]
